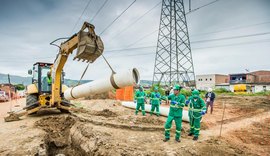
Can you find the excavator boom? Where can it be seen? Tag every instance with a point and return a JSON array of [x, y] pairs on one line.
[[89, 48]]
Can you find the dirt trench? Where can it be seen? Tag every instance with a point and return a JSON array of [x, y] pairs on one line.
[[66, 135]]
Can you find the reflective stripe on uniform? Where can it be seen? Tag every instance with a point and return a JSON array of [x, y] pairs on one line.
[[197, 129], [167, 129], [195, 110], [140, 97], [177, 131], [176, 106]]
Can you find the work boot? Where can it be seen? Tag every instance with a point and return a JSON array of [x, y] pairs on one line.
[[190, 134], [177, 140], [166, 139], [195, 138]]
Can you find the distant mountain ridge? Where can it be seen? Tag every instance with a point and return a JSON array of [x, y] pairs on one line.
[[15, 79]]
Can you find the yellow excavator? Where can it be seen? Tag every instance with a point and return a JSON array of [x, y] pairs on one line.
[[46, 90]]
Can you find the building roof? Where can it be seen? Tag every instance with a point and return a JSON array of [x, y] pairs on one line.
[[211, 75], [259, 72]]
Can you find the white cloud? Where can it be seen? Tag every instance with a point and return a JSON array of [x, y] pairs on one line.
[[28, 27]]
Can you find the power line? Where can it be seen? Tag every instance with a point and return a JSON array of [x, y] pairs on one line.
[[145, 47], [232, 28], [98, 11], [136, 48], [138, 19], [232, 37], [158, 29], [149, 34], [149, 53], [211, 40], [117, 18], [235, 44], [202, 6], [89, 1]]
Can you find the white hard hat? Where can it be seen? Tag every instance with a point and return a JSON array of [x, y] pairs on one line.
[[210, 90]]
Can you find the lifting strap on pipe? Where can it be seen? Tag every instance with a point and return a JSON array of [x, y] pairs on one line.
[[83, 73]]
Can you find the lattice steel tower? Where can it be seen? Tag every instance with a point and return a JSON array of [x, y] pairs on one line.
[[173, 63]]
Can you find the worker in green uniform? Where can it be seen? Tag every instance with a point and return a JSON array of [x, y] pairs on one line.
[[177, 102], [47, 82], [140, 99], [195, 112], [155, 98]]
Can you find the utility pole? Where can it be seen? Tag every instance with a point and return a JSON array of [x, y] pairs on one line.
[[8, 79], [173, 62], [9, 84]]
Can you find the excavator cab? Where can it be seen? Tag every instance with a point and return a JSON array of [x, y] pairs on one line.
[[41, 76]]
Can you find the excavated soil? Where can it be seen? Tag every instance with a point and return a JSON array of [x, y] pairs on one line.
[[255, 137], [57, 139], [104, 127]]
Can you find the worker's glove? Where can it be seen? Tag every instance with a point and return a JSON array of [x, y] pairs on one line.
[[174, 102], [187, 102], [203, 112], [179, 105], [157, 95]]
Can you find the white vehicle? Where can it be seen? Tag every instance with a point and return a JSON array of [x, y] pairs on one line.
[[3, 96]]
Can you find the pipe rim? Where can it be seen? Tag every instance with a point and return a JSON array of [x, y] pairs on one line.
[[136, 75]]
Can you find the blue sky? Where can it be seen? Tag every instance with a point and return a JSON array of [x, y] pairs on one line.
[[27, 27]]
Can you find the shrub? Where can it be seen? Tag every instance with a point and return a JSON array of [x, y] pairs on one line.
[[221, 90]]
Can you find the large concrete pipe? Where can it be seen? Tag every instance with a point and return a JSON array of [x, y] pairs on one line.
[[115, 81], [163, 110]]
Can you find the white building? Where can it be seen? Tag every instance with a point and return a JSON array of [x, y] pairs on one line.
[[203, 82]]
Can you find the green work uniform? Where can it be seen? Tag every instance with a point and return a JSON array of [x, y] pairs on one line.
[[140, 98], [175, 114], [155, 98], [196, 106]]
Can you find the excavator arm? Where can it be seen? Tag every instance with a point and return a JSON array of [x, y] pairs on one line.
[[89, 48]]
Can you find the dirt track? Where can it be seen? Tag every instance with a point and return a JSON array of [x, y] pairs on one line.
[[104, 127]]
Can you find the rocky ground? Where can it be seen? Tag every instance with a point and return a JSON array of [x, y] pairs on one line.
[[104, 127]]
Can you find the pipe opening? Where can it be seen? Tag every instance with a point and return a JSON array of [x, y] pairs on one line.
[[136, 76]]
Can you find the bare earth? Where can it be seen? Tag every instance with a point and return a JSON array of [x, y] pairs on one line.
[[104, 127]]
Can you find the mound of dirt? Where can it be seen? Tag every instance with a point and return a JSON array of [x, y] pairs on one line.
[[149, 120], [106, 95], [105, 112], [256, 137], [216, 146]]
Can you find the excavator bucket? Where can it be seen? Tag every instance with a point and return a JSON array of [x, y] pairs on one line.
[[90, 46], [12, 117]]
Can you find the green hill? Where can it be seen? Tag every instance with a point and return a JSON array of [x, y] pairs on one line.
[[14, 79]]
